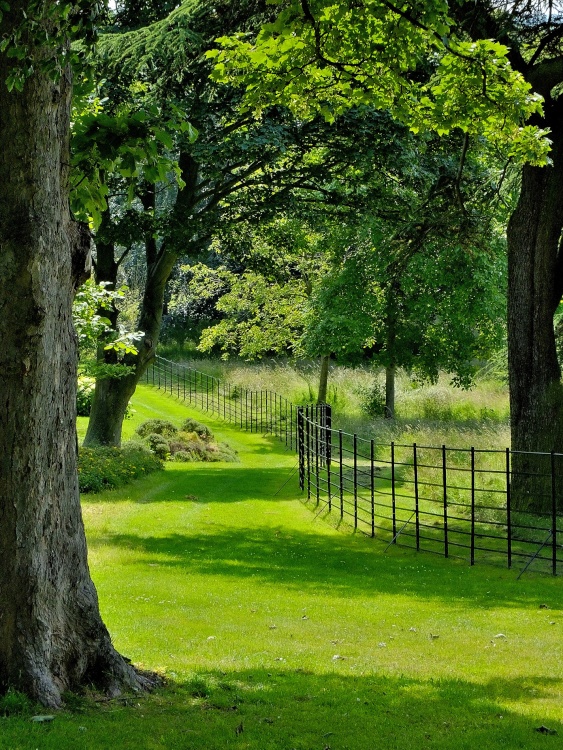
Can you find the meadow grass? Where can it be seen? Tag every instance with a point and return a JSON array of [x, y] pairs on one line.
[[276, 631], [426, 413]]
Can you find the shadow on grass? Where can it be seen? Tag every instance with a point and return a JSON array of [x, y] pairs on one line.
[[285, 710], [212, 483], [304, 711], [342, 565]]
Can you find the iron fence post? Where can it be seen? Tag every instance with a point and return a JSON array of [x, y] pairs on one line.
[[341, 474], [372, 484], [355, 481], [508, 510], [416, 508], [301, 446], [445, 499], [393, 496], [472, 506]]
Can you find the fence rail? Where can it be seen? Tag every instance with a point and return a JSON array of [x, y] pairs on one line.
[[468, 503], [256, 411], [472, 504]]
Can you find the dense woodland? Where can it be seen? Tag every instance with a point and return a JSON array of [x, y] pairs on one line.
[[355, 182]]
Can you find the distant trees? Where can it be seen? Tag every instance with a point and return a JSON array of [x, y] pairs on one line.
[[237, 170], [486, 68], [417, 280]]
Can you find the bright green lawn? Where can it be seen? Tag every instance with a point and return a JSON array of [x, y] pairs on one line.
[[310, 638]]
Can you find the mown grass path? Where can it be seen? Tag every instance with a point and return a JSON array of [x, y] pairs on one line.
[[277, 631]]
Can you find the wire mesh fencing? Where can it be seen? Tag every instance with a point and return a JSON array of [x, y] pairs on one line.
[[478, 505]]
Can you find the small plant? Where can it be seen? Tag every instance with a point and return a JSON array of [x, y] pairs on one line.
[[183, 456], [192, 425], [14, 703], [372, 400], [84, 395], [158, 445]]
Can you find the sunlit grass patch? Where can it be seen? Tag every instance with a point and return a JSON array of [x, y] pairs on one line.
[[276, 631]]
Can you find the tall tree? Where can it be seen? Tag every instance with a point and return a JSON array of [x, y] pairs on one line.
[[52, 637], [485, 60], [266, 162]]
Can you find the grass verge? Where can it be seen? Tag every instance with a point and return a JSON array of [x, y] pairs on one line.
[[276, 631]]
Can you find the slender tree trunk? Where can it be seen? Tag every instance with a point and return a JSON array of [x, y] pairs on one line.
[[391, 336], [323, 379], [390, 372], [535, 282], [52, 637]]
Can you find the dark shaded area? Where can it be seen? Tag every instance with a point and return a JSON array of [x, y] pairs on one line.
[[304, 711], [344, 565]]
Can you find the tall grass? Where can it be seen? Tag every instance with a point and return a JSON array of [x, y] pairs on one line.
[[431, 414]]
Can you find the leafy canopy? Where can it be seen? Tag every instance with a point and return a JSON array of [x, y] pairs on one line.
[[326, 56]]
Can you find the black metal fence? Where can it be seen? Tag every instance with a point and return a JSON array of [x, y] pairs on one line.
[[466, 503], [256, 411]]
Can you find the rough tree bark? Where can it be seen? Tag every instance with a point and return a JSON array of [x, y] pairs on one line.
[[535, 286], [112, 395], [52, 637]]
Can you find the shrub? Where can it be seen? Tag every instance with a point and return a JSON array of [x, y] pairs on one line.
[[372, 400], [191, 425], [224, 452], [182, 456], [103, 468], [157, 427], [193, 442], [84, 396], [158, 445]]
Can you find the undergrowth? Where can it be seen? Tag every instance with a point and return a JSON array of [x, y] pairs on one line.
[[104, 468]]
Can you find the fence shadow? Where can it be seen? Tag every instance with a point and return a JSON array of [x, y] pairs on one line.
[[338, 564]]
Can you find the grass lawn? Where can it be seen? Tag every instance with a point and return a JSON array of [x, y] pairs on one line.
[[278, 632]]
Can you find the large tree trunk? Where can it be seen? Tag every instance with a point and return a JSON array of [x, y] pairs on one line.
[[52, 637], [535, 283], [111, 395]]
